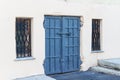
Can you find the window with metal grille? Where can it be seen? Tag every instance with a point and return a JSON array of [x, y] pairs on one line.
[[96, 34], [23, 37]]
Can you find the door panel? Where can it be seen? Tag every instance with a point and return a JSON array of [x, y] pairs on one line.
[[53, 45], [71, 44], [62, 44]]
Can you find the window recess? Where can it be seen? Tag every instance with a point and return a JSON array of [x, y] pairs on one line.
[[23, 37]]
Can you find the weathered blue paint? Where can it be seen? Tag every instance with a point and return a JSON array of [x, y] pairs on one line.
[[62, 44]]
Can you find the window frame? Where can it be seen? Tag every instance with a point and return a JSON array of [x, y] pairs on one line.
[[100, 36], [27, 19]]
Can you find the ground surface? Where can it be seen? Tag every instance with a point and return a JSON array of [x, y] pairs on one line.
[[87, 75]]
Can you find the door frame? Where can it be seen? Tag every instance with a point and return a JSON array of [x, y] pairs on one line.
[[79, 35]]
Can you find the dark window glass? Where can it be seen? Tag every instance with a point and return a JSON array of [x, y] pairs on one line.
[[23, 37], [96, 34]]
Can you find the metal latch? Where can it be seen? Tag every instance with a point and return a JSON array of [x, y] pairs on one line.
[[62, 33]]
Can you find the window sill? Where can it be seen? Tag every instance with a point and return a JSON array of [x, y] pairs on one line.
[[24, 59], [99, 51]]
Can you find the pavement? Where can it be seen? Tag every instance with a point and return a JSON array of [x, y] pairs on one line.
[[36, 77], [86, 75]]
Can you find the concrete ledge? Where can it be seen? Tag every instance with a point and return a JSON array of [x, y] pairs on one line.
[[110, 63], [37, 77], [105, 70]]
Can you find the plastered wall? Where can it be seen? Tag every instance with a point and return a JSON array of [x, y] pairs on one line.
[[36, 9]]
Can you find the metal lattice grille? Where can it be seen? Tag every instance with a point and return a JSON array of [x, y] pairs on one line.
[[95, 34], [23, 37]]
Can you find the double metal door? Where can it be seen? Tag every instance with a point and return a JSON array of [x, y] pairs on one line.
[[62, 44]]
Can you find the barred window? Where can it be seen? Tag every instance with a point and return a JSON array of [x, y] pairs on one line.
[[23, 37], [96, 34]]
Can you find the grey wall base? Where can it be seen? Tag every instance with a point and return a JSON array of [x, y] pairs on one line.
[[108, 66], [106, 70]]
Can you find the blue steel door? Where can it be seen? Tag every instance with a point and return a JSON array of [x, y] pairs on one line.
[[62, 38], [71, 44]]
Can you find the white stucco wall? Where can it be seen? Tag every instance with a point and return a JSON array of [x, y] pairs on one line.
[[36, 9]]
